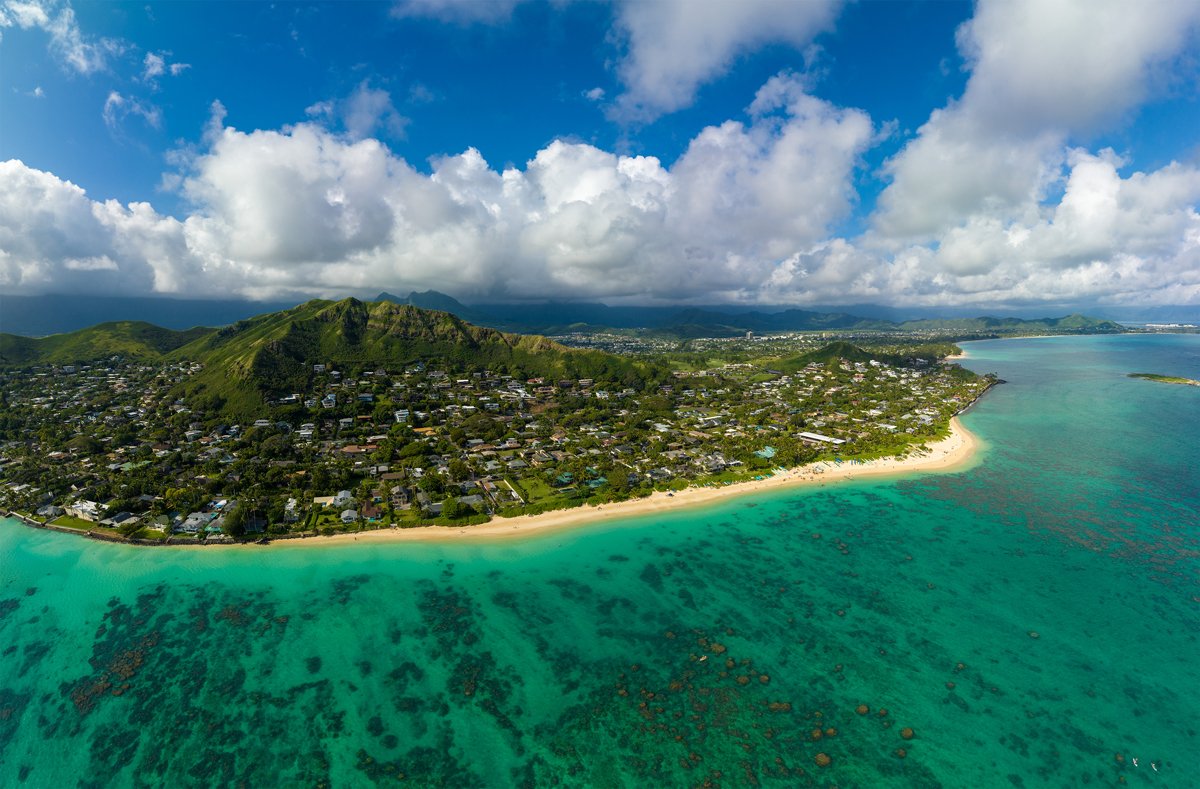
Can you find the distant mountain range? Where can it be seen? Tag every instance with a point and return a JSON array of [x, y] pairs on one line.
[[38, 316], [563, 318], [566, 317]]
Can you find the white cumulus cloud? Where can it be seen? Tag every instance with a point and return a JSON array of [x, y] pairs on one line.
[[746, 213], [304, 210], [994, 202], [52, 235], [1041, 71], [367, 111]]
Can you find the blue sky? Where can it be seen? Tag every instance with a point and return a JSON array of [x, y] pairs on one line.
[[1007, 153]]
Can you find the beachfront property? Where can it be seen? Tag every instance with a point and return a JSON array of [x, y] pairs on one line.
[[438, 444], [84, 510]]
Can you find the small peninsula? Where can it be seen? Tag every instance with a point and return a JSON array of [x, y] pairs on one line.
[[1165, 379]]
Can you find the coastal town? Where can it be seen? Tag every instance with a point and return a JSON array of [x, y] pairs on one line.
[[107, 449]]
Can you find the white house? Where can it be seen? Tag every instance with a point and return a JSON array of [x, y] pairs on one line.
[[87, 510]]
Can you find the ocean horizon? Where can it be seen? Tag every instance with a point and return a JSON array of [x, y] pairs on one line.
[[1032, 620]]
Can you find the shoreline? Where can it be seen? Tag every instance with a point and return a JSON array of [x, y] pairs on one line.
[[952, 453]]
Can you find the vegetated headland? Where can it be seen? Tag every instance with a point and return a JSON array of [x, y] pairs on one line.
[[344, 417]]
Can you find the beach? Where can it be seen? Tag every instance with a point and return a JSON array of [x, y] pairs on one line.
[[951, 453]]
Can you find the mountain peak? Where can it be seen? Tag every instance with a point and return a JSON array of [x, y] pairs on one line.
[[429, 300]]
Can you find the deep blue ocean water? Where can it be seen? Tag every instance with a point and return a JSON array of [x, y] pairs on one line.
[[1033, 620]]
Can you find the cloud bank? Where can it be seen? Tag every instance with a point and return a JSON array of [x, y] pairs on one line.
[[971, 202], [306, 210]]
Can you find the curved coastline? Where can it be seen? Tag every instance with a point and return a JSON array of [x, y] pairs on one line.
[[955, 452]]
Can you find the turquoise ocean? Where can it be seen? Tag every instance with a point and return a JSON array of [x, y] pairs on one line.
[[1031, 620]]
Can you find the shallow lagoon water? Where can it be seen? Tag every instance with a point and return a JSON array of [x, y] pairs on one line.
[[1035, 621]]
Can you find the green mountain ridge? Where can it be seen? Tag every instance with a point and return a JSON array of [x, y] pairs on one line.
[[253, 361]]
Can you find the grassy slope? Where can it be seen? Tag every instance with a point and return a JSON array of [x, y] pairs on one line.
[[129, 339]]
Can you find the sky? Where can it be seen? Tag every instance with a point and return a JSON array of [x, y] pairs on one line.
[[1004, 154]]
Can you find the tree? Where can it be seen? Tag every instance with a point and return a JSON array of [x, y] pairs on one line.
[[414, 449], [381, 411], [454, 509], [320, 478], [273, 446], [430, 483], [235, 521], [458, 470]]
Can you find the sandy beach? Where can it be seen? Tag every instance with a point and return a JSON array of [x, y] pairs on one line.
[[949, 454], [952, 453]]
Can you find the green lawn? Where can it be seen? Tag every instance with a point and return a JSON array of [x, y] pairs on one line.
[[71, 522], [537, 489], [151, 534]]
